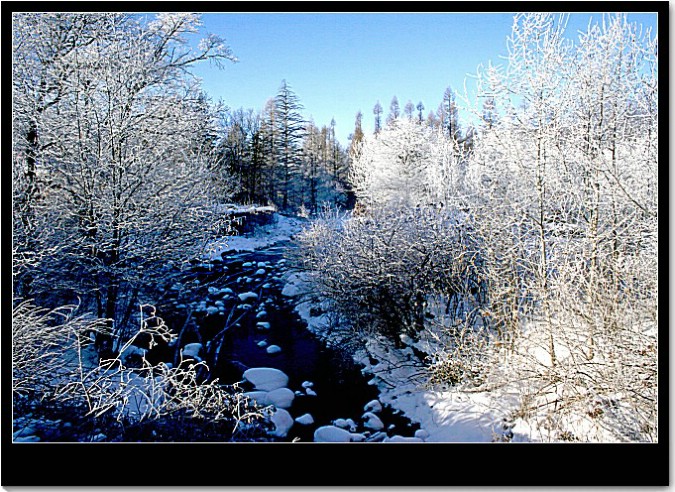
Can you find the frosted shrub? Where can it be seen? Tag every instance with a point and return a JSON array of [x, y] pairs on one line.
[[54, 361], [42, 344], [379, 268]]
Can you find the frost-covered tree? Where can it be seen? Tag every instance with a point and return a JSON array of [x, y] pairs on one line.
[[420, 108], [394, 111], [377, 111], [357, 136], [123, 155], [409, 109], [448, 113], [560, 178], [406, 163]]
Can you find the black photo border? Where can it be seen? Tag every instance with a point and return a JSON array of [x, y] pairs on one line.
[[333, 464]]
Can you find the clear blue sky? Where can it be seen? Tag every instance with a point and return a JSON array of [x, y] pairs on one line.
[[340, 63]]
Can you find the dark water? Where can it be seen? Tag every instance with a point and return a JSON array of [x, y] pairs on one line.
[[341, 389]]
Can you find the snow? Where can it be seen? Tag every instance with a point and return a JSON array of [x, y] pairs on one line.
[[273, 349], [281, 229], [280, 398], [372, 421], [262, 325], [310, 391], [260, 397], [261, 314], [330, 433], [191, 350], [282, 421], [262, 343], [27, 439], [234, 208], [421, 433], [373, 406], [260, 272], [345, 424], [305, 419], [307, 384], [266, 378], [132, 350], [402, 439], [446, 416], [248, 296]]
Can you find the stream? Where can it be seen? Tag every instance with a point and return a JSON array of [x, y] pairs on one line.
[[238, 312]]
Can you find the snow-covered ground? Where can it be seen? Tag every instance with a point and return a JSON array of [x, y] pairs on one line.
[[489, 413], [281, 229]]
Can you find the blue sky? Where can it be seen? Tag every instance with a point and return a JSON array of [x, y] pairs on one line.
[[340, 63]]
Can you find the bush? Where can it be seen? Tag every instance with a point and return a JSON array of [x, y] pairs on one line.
[[55, 368], [379, 268]]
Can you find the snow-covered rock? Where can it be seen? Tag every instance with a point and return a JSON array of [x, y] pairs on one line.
[[133, 351], [262, 343], [191, 350], [305, 419], [341, 423], [27, 439], [248, 264], [421, 433], [280, 398], [266, 378], [211, 310], [262, 325], [330, 433], [310, 391], [377, 437], [260, 397], [406, 339], [260, 272], [373, 406], [282, 421], [248, 296], [307, 384], [372, 421], [261, 314], [273, 349], [398, 438]]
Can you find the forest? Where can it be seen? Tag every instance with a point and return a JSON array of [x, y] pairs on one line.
[[505, 269]]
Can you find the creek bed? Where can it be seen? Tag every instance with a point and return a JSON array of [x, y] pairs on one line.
[[341, 390]]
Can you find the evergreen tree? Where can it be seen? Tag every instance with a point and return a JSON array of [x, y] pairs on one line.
[[420, 108], [290, 127], [394, 111], [357, 136], [377, 111], [409, 110]]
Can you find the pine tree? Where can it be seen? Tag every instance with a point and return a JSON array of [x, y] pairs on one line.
[[450, 118], [290, 127], [409, 110], [420, 108], [377, 111], [394, 111], [357, 136]]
